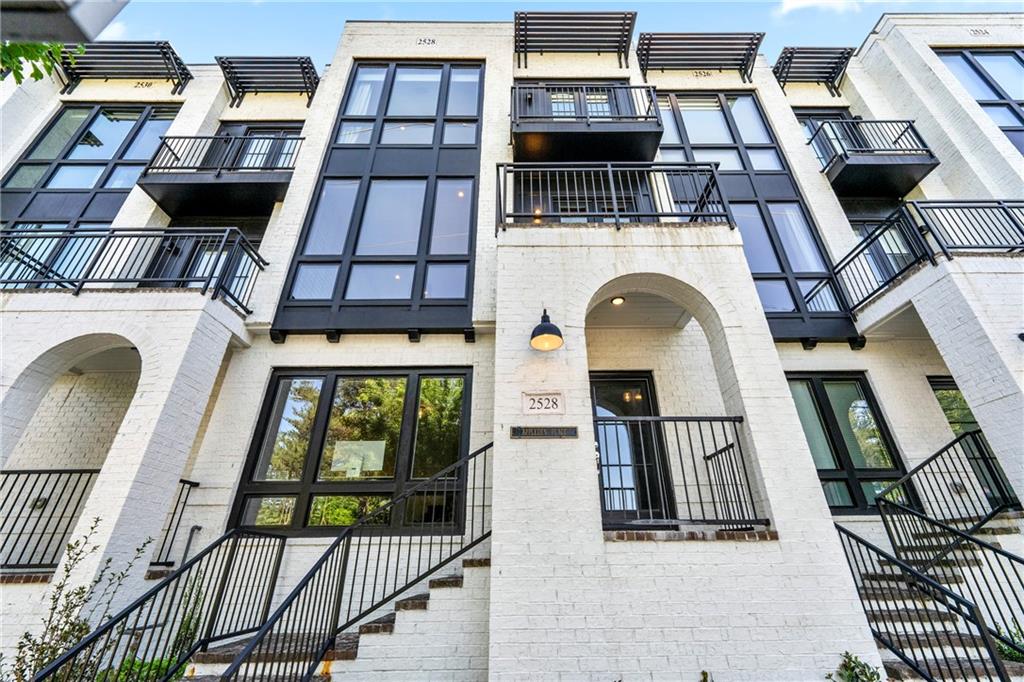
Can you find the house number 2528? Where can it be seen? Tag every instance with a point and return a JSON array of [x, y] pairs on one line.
[[547, 402], [426, 41]]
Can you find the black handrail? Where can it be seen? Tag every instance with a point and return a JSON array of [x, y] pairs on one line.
[[367, 566], [217, 260], [221, 593], [586, 102], [38, 512], [841, 138], [972, 225], [991, 577], [891, 594], [162, 556], [961, 485], [614, 193], [667, 471], [219, 153]]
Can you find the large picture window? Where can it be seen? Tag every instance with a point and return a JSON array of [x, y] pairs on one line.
[[80, 169], [850, 445], [336, 445], [792, 276], [995, 79], [389, 240]]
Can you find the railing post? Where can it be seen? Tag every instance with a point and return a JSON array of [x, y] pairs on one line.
[[220, 250], [92, 262], [615, 197], [218, 596]]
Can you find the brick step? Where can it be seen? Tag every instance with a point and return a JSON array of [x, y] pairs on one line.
[[417, 602], [960, 547], [893, 593], [929, 616], [259, 678], [885, 578], [951, 669], [945, 562], [1011, 529], [449, 581], [379, 626], [345, 647], [936, 639]]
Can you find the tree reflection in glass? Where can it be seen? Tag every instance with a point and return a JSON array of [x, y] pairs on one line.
[[438, 427], [858, 425], [363, 429], [284, 450]]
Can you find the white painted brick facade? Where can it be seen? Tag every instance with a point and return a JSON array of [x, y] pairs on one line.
[[561, 601]]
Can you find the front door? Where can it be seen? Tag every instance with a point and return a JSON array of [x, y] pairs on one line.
[[636, 486]]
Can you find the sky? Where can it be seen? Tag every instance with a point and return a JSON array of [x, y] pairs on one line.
[[201, 30]]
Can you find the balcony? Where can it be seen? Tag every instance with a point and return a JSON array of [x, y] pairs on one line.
[[872, 158], [219, 261], [221, 175], [609, 193], [919, 231], [585, 122]]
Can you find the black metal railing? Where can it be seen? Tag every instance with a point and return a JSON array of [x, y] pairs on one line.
[[163, 556], [218, 153], [987, 575], [962, 485], [667, 471], [38, 512], [935, 631], [367, 566], [617, 193], [885, 254], [917, 232], [221, 593], [972, 225], [217, 260], [843, 138], [584, 102]]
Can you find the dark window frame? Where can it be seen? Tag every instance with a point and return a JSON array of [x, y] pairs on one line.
[[847, 472], [1016, 105], [362, 309], [791, 278], [146, 110], [304, 490]]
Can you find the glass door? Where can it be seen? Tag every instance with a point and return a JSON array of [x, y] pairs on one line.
[[636, 486]]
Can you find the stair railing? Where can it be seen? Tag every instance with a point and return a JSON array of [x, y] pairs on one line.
[[370, 563], [222, 592], [893, 593], [961, 485], [988, 576]]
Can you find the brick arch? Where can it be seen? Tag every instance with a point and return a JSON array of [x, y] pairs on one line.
[[28, 374]]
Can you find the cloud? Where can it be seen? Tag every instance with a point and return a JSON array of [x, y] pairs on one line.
[[114, 31], [838, 6]]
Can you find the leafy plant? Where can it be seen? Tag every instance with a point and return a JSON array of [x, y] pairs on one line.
[[852, 669], [71, 610], [41, 58], [1007, 652]]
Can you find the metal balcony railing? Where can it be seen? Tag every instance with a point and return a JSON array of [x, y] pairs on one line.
[[164, 555], [38, 512], [219, 153], [666, 471], [917, 232], [614, 193], [586, 102], [843, 138], [220, 260]]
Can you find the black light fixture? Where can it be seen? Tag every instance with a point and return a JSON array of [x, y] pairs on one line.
[[546, 336]]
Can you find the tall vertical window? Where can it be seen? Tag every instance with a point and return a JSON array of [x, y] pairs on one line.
[[850, 445], [995, 79], [958, 413], [389, 241], [334, 446], [792, 275]]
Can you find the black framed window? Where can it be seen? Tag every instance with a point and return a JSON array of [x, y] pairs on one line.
[[850, 443], [334, 445], [958, 413], [389, 239], [995, 79], [83, 164], [791, 272]]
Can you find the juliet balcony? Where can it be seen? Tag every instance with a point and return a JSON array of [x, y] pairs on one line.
[[585, 122], [220, 175], [609, 193], [872, 158], [218, 261]]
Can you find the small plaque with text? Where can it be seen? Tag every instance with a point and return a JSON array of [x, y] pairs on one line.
[[519, 432]]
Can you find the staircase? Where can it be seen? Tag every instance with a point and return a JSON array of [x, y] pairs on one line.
[[440, 633], [223, 596], [945, 604]]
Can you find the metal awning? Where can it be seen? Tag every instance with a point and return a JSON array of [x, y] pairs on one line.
[[716, 51], [824, 65], [269, 74], [125, 60], [573, 32]]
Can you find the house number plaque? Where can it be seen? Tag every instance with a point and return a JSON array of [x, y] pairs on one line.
[[543, 402], [519, 432]]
